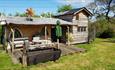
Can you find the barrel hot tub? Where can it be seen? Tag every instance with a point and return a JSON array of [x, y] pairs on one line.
[[40, 55]]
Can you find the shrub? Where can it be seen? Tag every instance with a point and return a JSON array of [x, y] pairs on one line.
[[104, 29], [109, 33]]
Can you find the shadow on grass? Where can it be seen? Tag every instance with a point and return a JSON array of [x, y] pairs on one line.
[[112, 40]]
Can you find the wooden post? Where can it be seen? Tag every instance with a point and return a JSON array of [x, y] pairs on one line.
[[4, 36], [45, 32], [12, 40], [24, 56], [58, 43], [68, 35]]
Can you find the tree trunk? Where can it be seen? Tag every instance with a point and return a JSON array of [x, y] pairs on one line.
[[108, 10]]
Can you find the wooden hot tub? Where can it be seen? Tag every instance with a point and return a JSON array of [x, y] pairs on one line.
[[45, 54], [33, 54]]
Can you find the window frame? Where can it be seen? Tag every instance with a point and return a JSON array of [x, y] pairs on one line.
[[81, 29], [14, 33]]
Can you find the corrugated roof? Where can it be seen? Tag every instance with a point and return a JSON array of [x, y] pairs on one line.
[[36, 21]]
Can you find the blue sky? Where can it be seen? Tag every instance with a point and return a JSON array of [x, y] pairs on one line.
[[39, 6]]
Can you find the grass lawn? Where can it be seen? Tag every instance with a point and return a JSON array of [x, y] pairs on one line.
[[100, 55]]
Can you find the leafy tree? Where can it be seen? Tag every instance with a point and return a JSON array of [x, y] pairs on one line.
[[64, 8], [17, 14], [103, 29], [23, 15], [47, 15], [30, 12]]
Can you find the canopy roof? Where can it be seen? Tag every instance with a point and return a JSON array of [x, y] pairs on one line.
[[36, 21]]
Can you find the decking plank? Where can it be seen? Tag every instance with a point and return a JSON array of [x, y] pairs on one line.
[[70, 49]]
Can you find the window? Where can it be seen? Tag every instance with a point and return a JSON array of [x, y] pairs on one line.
[[84, 28], [81, 29], [17, 34], [78, 29], [77, 17]]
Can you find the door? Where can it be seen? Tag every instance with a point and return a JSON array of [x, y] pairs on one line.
[[53, 34]]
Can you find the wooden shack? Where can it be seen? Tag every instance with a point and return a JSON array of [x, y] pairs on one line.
[[74, 27], [40, 32], [79, 18]]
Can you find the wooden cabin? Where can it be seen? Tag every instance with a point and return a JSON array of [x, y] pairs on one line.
[[37, 35], [74, 25], [79, 19]]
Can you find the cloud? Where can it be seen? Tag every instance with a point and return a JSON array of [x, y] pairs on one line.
[[73, 1]]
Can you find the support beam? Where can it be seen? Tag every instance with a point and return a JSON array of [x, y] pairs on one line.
[[68, 35], [25, 50], [58, 44], [12, 39], [45, 32], [5, 38], [46, 35]]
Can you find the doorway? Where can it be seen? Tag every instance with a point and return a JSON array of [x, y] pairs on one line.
[[53, 34], [62, 39]]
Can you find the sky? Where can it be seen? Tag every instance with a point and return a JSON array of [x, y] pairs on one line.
[[39, 6]]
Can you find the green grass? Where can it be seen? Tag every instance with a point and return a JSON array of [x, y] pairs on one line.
[[100, 55]]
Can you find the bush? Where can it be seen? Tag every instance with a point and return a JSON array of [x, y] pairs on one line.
[[109, 33], [104, 29]]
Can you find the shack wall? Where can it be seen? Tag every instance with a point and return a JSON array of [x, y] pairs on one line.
[[29, 30], [81, 21]]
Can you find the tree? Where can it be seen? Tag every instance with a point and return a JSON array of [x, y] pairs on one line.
[[113, 10], [106, 4], [102, 8], [64, 8], [47, 15], [17, 14], [93, 8], [30, 12], [23, 15]]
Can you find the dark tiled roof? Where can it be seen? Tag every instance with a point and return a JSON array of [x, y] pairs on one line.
[[72, 11]]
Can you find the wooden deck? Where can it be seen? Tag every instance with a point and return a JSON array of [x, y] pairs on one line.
[[65, 50], [70, 49]]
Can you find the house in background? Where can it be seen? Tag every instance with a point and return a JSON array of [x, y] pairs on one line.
[[73, 22], [79, 19]]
